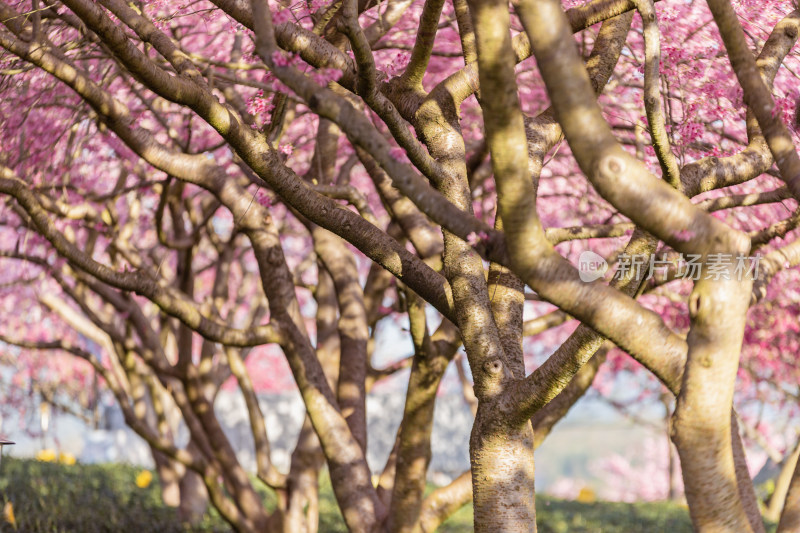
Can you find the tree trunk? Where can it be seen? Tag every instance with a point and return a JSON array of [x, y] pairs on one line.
[[790, 518], [302, 492], [702, 428], [502, 473], [672, 471], [169, 479], [778, 498], [181, 488], [194, 498]]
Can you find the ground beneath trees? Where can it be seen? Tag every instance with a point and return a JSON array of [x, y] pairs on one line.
[[50, 497]]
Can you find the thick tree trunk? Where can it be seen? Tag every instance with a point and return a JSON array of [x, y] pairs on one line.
[[301, 514], [502, 473], [181, 488], [194, 498], [169, 479], [702, 428]]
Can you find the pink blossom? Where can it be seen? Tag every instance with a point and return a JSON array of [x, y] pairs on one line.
[[280, 59], [683, 235], [263, 198], [473, 239], [397, 153], [284, 15]]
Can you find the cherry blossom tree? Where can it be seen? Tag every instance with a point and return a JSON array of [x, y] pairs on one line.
[[190, 188]]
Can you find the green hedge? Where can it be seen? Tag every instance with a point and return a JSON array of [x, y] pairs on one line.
[[49, 497]]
